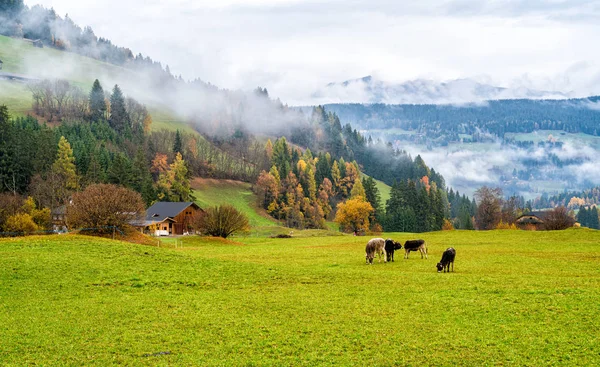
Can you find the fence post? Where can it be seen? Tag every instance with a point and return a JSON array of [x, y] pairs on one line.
[[114, 232]]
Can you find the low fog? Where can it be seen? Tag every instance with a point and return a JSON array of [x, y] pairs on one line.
[[469, 166]]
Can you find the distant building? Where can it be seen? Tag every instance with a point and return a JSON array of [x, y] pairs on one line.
[[1, 64], [37, 43], [168, 219], [59, 218], [532, 220]]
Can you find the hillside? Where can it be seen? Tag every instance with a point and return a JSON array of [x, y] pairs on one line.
[[21, 58], [515, 298], [543, 145], [210, 192]]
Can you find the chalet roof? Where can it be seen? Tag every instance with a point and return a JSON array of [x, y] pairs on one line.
[[0, 61], [163, 210], [532, 218]]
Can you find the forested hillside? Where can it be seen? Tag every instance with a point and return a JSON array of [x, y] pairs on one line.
[[307, 167], [441, 124]]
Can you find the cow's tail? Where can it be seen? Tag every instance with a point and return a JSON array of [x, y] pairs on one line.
[[425, 248]]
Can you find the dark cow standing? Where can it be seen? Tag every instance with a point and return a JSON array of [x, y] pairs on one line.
[[390, 247], [447, 259], [415, 245]]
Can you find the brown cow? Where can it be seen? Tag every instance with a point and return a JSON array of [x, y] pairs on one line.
[[375, 246]]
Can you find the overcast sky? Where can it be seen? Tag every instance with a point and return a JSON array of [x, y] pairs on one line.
[[294, 47]]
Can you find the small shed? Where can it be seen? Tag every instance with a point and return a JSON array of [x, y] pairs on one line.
[[38, 43]]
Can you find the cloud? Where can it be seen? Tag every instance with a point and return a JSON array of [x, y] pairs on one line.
[[295, 47]]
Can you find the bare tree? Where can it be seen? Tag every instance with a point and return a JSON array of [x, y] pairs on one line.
[[104, 205], [558, 218], [489, 209], [222, 221]]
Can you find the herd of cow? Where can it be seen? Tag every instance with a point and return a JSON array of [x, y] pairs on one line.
[[386, 248]]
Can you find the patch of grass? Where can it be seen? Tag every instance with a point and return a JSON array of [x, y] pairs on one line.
[[16, 97], [516, 298], [211, 192]]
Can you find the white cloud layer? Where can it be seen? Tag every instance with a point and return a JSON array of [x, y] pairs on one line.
[[295, 47]]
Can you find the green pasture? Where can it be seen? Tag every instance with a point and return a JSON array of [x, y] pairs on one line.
[[210, 193], [516, 298]]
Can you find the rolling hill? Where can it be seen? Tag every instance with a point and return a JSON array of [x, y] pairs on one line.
[[19, 57]]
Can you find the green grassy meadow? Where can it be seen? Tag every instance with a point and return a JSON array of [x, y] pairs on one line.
[[516, 298], [210, 192]]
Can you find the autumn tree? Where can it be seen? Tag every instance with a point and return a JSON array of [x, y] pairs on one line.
[[174, 184], [353, 215], [489, 208], [558, 218], [222, 221], [101, 206]]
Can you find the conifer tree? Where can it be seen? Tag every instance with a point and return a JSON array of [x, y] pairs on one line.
[[119, 119], [64, 165], [178, 144], [97, 102]]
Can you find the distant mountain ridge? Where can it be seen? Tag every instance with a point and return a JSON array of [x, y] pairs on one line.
[[423, 91]]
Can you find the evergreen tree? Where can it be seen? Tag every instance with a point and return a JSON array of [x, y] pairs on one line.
[[178, 144], [120, 171], [594, 222], [97, 102], [119, 119]]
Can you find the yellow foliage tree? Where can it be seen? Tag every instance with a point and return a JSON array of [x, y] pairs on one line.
[[353, 215]]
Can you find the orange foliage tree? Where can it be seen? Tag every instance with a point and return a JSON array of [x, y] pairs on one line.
[[353, 215]]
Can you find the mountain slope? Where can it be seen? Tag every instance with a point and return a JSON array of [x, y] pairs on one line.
[[20, 57]]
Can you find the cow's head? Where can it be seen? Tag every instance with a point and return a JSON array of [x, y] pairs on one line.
[[397, 245], [439, 267], [369, 258]]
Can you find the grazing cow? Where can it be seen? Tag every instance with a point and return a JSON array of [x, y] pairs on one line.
[[375, 246], [415, 245], [447, 259], [390, 247]]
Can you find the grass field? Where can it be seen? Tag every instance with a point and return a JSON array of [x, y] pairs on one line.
[[516, 298]]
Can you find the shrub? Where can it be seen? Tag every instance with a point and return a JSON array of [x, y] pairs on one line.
[[223, 221], [447, 226], [504, 225], [102, 205], [20, 223]]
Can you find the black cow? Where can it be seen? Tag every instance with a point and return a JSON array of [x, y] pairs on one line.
[[390, 247], [415, 245], [447, 259]]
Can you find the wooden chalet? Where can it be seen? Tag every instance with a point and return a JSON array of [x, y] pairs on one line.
[[168, 219], [532, 221]]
